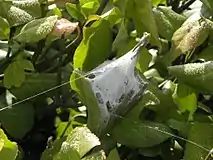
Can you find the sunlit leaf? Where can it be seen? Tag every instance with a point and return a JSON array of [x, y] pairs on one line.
[[191, 34], [9, 150], [186, 99], [4, 29], [197, 75], [20, 12], [93, 46], [89, 7], [36, 30]]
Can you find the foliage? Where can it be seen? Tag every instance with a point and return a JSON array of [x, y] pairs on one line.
[[106, 79]]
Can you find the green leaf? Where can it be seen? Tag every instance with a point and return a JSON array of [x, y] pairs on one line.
[[4, 29], [20, 12], [35, 84], [201, 134], [9, 150], [140, 134], [90, 7], [53, 150], [82, 140], [96, 156], [197, 75], [93, 46], [14, 74], [141, 13], [208, 3], [157, 2], [167, 21], [206, 54], [122, 37], [66, 153], [190, 35], [186, 99], [74, 11], [113, 16], [144, 60], [17, 120], [36, 30], [113, 155]]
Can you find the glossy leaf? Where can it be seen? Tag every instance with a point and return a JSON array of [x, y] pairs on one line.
[[197, 75], [36, 30], [9, 150]]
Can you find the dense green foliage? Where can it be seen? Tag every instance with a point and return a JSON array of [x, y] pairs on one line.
[[106, 79]]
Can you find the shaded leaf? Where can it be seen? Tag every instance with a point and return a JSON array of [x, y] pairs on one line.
[[206, 54], [35, 84], [197, 75], [201, 134], [9, 150], [14, 75], [140, 134], [36, 30], [18, 120]]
